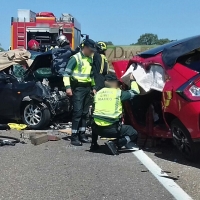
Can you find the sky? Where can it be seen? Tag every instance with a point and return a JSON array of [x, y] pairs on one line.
[[119, 21]]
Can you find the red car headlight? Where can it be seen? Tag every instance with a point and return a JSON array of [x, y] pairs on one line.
[[193, 92], [191, 89]]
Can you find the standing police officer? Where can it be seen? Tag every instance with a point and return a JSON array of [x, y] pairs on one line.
[[108, 113], [78, 80]]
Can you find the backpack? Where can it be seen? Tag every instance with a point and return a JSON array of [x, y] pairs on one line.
[[60, 59]]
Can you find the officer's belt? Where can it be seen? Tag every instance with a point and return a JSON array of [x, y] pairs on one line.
[[114, 125], [79, 84]]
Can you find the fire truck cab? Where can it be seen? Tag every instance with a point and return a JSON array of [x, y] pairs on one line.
[[43, 27]]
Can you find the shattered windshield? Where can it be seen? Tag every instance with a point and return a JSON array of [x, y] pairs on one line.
[[19, 70]]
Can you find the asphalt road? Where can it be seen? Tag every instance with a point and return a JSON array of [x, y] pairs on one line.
[[56, 170], [186, 174]]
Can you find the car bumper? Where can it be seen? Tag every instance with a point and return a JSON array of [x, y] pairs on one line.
[[189, 115]]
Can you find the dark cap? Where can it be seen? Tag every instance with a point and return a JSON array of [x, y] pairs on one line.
[[91, 44], [111, 77]]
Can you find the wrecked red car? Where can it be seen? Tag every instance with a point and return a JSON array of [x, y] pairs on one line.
[[177, 105]]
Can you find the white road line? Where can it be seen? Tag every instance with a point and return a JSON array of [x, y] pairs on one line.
[[176, 191]]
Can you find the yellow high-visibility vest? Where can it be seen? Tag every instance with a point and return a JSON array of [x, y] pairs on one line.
[[103, 60], [107, 106], [83, 70]]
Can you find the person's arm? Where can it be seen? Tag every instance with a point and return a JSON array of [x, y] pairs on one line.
[[97, 63], [68, 72], [99, 81], [107, 67], [93, 81], [129, 94], [98, 77]]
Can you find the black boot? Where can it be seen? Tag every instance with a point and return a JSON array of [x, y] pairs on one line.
[[94, 147], [83, 138], [75, 140], [121, 142], [112, 147], [118, 145]]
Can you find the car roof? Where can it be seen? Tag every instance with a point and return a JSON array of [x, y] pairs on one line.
[[173, 50], [170, 55]]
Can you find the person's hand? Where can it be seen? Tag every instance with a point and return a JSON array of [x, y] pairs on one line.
[[69, 92], [94, 91]]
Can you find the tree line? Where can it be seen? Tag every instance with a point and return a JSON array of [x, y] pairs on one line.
[[148, 39]]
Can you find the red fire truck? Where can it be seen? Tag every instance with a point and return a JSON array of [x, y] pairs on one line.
[[43, 27]]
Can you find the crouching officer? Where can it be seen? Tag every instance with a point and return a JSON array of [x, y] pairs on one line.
[[107, 116], [78, 80]]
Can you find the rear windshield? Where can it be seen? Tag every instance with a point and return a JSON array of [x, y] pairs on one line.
[[191, 60]]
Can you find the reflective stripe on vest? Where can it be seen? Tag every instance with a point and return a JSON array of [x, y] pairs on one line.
[[107, 105], [47, 49], [83, 70], [103, 60]]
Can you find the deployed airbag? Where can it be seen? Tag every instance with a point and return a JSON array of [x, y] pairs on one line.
[[154, 78]]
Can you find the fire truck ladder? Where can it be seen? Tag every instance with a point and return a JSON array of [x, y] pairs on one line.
[[21, 34]]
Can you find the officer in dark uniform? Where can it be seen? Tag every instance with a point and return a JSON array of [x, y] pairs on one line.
[[107, 116], [61, 55], [79, 81], [101, 65]]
